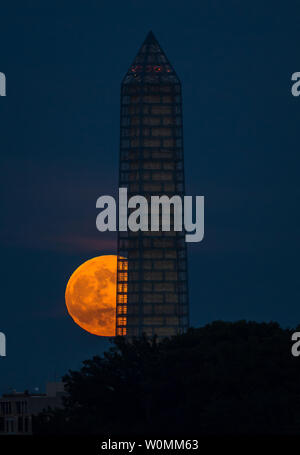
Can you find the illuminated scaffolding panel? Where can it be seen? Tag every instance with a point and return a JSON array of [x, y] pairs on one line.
[[152, 289]]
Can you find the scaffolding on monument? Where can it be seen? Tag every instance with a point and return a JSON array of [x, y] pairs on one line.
[[152, 282]]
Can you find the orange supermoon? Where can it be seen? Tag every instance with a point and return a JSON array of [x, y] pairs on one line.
[[91, 295]]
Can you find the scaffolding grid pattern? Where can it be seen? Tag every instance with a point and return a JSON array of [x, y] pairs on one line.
[[152, 289]]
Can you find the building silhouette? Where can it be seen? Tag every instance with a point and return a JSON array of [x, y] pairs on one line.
[[18, 409], [152, 290]]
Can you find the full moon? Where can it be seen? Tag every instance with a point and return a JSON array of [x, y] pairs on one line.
[[91, 295]]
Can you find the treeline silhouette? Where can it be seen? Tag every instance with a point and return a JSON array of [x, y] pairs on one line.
[[224, 378]]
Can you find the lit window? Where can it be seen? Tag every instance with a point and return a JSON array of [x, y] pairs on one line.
[[123, 276], [122, 309], [121, 321]]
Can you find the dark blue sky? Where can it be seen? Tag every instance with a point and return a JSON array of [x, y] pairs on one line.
[[59, 125]]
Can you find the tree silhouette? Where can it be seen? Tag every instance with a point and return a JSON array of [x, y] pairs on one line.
[[224, 378]]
